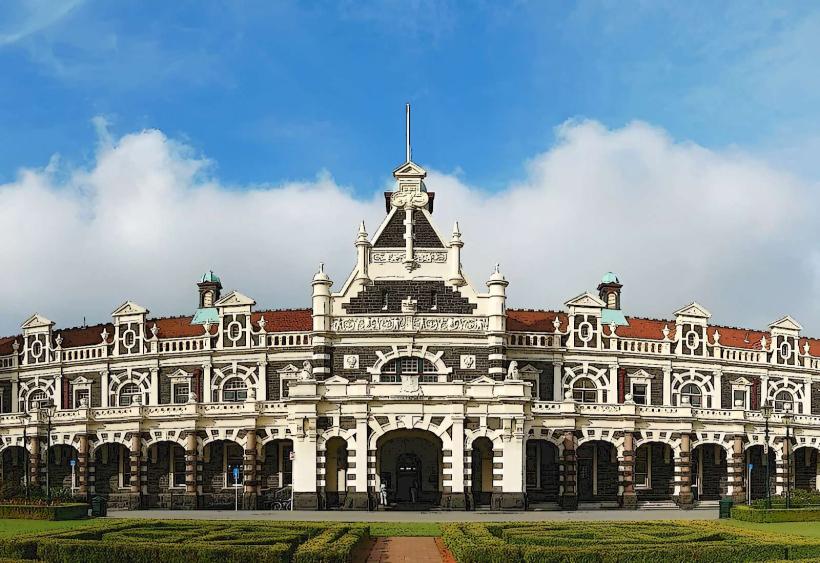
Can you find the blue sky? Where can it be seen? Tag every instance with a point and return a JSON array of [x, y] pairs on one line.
[[675, 143], [277, 91]]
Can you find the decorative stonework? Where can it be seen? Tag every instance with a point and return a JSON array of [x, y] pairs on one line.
[[409, 324], [421, 256], [351, 361], [467, 361]]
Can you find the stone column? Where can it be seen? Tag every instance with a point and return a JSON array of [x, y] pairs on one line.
[[458, 499], [736, 468], [34, 460], [667, 386], [191, 451], [359, 499], [780, 469], [569, 499], [262, 393], [135, 454], [557, 386], [627, 472], [304, 466], [153, 392], [683, 470], [249, 469], [512, 468], [15, 397], [82, 465], [104, 392], [206, 384]]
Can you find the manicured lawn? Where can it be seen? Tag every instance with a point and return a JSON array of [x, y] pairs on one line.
[[11, 527], [807, 529]]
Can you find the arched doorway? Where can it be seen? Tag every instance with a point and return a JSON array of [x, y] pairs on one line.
[[13, 470], [62, 467], [335, 472], [543, 472], [805, 468], [755, 457], [709, 472], [276, 474], [112, 472], [409, 464], [222, 473], [165, 474], [654, 472], [598, 473], [482, 472]]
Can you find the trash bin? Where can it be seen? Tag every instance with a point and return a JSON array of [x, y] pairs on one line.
[[99, 506], [725, 508]]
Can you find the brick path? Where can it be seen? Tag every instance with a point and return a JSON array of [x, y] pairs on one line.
[[404, 550]]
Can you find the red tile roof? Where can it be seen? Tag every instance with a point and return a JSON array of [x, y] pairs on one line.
[[535, 321], [285, 320]]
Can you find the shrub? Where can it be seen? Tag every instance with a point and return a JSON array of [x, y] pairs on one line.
[[38, 512], [334, 545], [800, 498], [748, 514]]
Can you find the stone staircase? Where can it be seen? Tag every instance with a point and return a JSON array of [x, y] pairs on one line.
[[656, 505]]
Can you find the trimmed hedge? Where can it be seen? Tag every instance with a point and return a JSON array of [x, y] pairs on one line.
[[183, 541], [748, 514], [643, 542], [34, 512]]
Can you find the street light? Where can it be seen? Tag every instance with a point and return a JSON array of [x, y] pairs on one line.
[[787, 422], [47, 409], [766, 411], [24, 418]]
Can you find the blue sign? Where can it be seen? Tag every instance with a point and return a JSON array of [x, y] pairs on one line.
[[750, 466], [73, 462], [236, 474]]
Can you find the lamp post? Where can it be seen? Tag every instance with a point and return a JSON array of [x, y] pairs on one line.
[[48, 409], [766, 411], [24, 418], [787, 422]]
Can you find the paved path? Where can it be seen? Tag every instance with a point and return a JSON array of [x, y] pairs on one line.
[[436, 516], [404, 550]]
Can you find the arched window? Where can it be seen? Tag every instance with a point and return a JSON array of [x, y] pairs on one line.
[[234, 391], [784, 402], [585, 391], [128, 393], [37, 399], [690, 394], [392, 371]]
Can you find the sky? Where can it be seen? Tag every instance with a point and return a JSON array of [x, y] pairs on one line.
[[673, 143]]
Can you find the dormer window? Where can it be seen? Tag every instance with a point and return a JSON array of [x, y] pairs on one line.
[[784, 402], [208, 299], [392, 371], [128, 394], [785, 350], [128, 339], [37, 400], [690, 394], [611, 300], [234, 391]]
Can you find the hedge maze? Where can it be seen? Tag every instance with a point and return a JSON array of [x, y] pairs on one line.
[[179, 541], [644, 542]]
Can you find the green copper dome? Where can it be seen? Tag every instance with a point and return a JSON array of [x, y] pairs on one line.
[[210, 276], [609, 277]]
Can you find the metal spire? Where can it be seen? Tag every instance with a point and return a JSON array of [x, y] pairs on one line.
[[407, 129]]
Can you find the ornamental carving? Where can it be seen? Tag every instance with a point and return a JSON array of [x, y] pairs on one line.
[[410, 324], [422, 257]]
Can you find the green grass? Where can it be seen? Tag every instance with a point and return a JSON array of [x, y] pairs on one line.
[[12, 527], [806, 529]]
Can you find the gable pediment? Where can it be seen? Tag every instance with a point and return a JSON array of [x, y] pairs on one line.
[[129, 308], [36, 321], [694, 309], [742, 381], [530, 369], [483, 380], [641, 374], [786, 324], [336, 380], [81, 380], [235, 299], [586, 299], [410, 169], [289, 369]]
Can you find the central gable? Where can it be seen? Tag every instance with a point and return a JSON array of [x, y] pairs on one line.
[[392, 236]]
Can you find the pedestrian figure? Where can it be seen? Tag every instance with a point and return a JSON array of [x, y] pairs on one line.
[[383, 494]]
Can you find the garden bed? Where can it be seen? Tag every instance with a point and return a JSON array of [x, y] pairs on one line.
[[182, 541], [752, 514], [73, 511], [622, 541]]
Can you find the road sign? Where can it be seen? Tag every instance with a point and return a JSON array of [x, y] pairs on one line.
[[236, 474], [73, 462], [751, 466]]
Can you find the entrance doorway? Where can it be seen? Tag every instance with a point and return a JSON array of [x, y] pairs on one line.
[[409, 465], [408, 477]]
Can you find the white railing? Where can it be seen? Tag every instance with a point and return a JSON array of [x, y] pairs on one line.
[[288, 339], [181, 345], [533, 340], [631, 345], [7, 361], [94, 352], [741, 355]]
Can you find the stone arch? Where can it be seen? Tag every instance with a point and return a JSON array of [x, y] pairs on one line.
[[142, 379], [495, 436], [349, 436], [29, 386], [220, 435], [794, 388], [654, 469], [703, 382], [248, 374], [599, 376], [408, 423], [410, 351], [410, 463]]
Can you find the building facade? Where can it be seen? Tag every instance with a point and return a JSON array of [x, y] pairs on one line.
[[411, 383]]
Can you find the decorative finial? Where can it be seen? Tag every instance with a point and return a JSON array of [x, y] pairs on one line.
[[497, 268], [154, 331], [456, 230], [408, 152], [362, 233]]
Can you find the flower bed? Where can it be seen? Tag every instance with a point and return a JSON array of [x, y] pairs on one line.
[[72, 511], [618, 541], [182, 541], [752, 514]]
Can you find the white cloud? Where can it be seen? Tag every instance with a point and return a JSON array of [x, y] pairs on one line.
[[677, 222]]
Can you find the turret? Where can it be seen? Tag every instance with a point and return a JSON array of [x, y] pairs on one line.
[[609, 290], [363, 247], [454, 258], [497, 314], [210, 287], [321, 300]]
